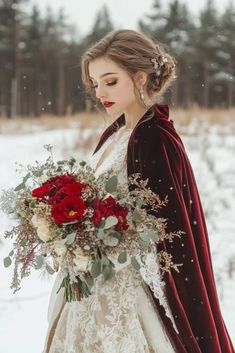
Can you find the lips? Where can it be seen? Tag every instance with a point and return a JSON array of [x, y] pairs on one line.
[[108, 104]]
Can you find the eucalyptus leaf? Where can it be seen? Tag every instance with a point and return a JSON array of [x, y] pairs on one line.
[[39, 262], [32, 204], [110, 222], [96, 268], [70, 238], [111, 184], [154, 235], [89, 281], [143, 244], [111, 241], [105, 261], [108, 273], [20, 187], [49, 269], [122, 257], [145, 236], [100, 233], [26, 177], [7, 261], [135, 263], [11, 252], [136, 217]]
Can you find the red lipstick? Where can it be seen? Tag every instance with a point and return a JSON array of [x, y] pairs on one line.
[[108, 104]]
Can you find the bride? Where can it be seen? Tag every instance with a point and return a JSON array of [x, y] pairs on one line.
[[138, 312]]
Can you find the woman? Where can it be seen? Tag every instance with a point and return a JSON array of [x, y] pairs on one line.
[[125, 72]]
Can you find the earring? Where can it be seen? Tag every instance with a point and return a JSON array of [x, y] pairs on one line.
[[141, 91]]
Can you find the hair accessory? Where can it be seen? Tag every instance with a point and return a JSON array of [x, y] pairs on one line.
[[158, 63]]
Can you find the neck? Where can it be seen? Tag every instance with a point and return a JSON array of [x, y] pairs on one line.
[[134, 114]]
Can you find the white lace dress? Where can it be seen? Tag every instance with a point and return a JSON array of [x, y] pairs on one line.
[[119, 316]]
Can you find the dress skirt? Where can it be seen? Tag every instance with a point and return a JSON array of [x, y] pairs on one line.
[[118, 317]]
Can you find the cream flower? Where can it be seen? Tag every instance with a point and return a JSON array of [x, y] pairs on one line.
[[82, 263], [60, 247], [43, 231]]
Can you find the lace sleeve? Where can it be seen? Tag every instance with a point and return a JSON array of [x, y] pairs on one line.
[[150, 272]]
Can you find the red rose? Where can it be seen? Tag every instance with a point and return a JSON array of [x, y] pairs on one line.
[[43, 191], [97, 217], [61, 180], [110, 207], [73, 189], [96, 202], [70, 209]]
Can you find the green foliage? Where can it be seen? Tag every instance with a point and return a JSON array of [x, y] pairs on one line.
[[39, 262], [111, 184], [122, 258], [110, 222], [135, 263], [7, 261]]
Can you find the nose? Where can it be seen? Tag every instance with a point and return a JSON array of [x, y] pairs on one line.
[[100, 93]]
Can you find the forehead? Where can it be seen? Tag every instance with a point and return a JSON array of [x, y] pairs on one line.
[[100, 66]]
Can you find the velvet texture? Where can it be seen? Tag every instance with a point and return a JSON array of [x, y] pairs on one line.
[[156, 151]]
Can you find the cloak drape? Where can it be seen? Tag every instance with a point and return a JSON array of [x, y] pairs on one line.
[[156, 151]]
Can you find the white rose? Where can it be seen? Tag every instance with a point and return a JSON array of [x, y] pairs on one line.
[[82, 263], [59, 247], [43, 231]]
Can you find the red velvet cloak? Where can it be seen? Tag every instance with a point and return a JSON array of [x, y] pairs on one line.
[[156, 151]]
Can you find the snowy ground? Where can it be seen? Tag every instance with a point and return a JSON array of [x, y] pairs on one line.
[[23, 316]]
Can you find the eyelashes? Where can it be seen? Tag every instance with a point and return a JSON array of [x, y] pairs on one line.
[[108, 84]]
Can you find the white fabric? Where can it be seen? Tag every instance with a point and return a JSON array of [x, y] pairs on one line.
[[120, 315]]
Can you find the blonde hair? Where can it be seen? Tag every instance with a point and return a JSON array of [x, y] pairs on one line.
[[131, 51]]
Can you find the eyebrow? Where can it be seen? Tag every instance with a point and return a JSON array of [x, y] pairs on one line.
[[106, 74]]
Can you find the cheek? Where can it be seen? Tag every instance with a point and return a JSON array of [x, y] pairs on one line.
[[126, 89]]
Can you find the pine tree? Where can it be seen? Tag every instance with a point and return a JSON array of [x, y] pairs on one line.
[[31, 65], [207, 47], [154, 23], [11, 19], [225, 74], [179, 35], [102, 25], [173, 29]]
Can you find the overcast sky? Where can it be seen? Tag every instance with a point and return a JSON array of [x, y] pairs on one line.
[[124, 13]]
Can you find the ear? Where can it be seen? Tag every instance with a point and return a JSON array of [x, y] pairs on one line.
[[140, 78]]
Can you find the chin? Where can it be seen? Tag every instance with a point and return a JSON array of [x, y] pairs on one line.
[[115, 113]]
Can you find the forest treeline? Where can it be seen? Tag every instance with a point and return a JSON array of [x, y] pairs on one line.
[[40, 56]]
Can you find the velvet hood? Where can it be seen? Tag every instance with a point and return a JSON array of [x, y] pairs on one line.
[[156, 151]]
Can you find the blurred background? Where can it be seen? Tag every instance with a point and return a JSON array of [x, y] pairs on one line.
[[43, 101]]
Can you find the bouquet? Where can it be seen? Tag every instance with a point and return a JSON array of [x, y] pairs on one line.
[[70, 220]]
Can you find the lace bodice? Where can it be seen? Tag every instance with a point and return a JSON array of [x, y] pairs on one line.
[[116, 158]]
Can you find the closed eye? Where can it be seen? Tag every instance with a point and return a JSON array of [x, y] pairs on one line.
[[108, 84]]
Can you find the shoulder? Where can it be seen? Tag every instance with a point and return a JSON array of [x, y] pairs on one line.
[[156, 130]]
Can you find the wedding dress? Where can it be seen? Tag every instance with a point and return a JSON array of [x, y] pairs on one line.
[[120, 315]]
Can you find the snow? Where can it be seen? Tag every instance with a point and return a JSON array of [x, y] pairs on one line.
[[23, 316]]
